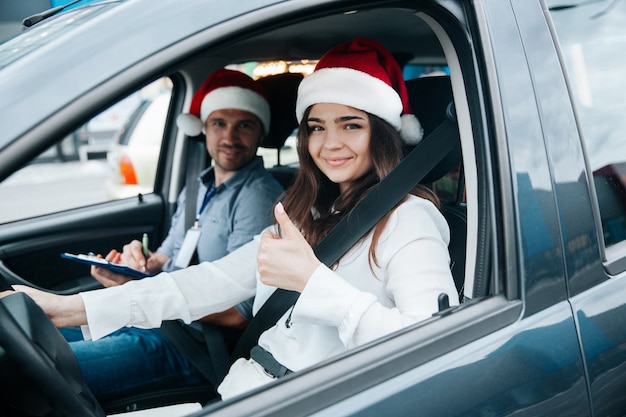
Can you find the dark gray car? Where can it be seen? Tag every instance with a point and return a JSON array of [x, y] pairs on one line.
[[534, 190]]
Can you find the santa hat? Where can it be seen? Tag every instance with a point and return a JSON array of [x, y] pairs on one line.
[[225, 89], [364, 75]]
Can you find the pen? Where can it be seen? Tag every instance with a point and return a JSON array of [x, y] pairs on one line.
[[144, 242]]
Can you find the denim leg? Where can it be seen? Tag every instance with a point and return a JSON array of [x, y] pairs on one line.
[[72, 334], [131, 361]]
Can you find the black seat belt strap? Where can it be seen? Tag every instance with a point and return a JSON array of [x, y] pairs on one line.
[[383, 197], [195, 163], [218, 352], [196, 353]]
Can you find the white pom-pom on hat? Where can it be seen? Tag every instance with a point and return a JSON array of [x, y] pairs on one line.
[[189, 124], [411, 130]]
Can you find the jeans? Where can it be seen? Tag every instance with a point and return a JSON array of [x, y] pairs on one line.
[[130, 361]]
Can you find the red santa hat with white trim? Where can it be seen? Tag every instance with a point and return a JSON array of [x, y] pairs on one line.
[[225, 89], [364, 75]]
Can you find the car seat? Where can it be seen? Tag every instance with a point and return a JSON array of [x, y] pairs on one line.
[[282, 90], [432, 102]]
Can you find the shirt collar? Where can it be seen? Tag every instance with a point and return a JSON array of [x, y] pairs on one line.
[[256, 164]]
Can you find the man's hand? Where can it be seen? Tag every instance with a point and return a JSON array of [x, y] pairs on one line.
[[106, 277], [228, 318], [286, 262], [63, 310], [132, 256], [128, 257]]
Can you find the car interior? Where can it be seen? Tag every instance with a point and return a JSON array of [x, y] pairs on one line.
[[437, 96]]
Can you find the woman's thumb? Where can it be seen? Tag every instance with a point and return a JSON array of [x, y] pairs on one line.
[[288, 228]]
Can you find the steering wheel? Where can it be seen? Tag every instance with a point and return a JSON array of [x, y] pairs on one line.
[[40, 374]]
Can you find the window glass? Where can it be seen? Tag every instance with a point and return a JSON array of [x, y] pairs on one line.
[[450, 187], [112, 156], [592, 36]]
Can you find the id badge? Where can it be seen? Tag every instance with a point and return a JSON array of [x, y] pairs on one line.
[[187, 249]]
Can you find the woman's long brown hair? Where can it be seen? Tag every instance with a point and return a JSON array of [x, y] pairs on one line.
[[315, 204]]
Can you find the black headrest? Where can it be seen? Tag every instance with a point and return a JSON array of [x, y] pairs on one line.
[[282, 90], [431, 101]]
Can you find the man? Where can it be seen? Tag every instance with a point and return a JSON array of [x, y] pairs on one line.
[[234, 203]]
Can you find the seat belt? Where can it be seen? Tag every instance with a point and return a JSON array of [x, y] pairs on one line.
[[363, 217], [194, 166], [211, 360], [199, 356]]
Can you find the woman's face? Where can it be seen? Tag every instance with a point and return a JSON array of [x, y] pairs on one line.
[[339, 142]]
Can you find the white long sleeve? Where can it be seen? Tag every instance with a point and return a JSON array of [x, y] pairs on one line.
[[187, 294]]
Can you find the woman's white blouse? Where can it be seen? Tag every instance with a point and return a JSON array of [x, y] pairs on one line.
[[337, 309]]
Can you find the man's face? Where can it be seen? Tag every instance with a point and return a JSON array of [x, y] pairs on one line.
[[232, 138]]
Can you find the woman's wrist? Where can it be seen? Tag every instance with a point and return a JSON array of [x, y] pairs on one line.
[[68, 311]]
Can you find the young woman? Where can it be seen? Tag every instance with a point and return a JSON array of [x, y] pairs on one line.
[[354, 115]]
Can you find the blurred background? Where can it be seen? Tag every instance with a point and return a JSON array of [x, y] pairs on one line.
[[12, 12]]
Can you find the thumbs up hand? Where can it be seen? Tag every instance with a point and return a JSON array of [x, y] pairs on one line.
[[285, 262]]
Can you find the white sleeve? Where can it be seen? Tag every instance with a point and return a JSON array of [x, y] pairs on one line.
[[414, 270], [186, 294]]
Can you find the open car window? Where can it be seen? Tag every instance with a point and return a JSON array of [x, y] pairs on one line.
[[111, 156], [437, 90]]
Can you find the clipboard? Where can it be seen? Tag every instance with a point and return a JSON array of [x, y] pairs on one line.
[[91, 259]]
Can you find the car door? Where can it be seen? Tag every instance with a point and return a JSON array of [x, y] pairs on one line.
[[588, 36]]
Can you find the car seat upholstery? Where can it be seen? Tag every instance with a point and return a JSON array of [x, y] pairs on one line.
[[431, 101], [282, 90]]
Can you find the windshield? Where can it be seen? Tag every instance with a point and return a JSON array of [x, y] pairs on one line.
[[22, 44]]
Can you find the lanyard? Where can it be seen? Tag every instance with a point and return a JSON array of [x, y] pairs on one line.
[[210, 192]]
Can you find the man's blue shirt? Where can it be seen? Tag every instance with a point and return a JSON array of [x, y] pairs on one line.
[[240, 209]]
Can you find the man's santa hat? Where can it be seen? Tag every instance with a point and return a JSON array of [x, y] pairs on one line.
[[225, 89], [364, 75]]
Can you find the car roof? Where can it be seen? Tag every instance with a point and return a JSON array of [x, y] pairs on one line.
[[92, 53]]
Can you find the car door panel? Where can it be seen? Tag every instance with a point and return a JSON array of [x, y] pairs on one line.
[[30, 249], [507, 372], [597, 299], [601, 322], [495, 364]]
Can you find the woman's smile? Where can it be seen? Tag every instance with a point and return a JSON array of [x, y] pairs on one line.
[[337, 162]]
